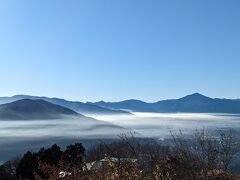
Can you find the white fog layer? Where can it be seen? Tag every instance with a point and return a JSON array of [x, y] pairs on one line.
[[160, 124], [17, 137], [145, 124]]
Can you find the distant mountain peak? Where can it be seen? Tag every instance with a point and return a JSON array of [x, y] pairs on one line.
[[196, 94], [195, 97]]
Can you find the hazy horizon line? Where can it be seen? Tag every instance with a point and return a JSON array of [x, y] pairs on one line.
[[109, 101]]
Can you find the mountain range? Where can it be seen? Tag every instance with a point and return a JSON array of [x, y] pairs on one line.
[[28, 109], [82, 108], [194, 103]]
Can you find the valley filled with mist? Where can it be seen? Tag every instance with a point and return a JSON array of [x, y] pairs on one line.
[[17, 136]]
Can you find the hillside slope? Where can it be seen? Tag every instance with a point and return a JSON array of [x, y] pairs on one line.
[[27, 109]]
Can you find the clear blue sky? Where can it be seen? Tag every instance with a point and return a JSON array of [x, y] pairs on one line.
[[111, 50]]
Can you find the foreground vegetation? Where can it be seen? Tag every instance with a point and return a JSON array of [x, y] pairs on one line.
[[205, 156]]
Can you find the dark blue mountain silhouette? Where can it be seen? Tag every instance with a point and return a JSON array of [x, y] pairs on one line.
[[195, 103], [132, 105]]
